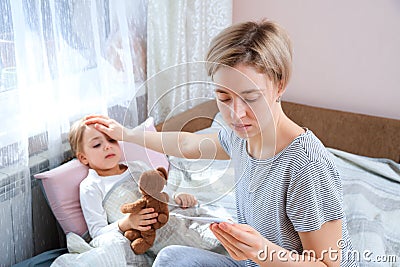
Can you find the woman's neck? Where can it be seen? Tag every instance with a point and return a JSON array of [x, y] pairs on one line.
[[262, 146], [274, 138]]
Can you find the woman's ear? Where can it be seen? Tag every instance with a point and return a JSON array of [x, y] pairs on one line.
[[82, 158], [280, 92], [281, 89]]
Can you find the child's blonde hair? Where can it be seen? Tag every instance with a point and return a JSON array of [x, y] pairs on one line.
[[76, 135]]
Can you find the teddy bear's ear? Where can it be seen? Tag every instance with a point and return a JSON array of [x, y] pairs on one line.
[[163, 172]]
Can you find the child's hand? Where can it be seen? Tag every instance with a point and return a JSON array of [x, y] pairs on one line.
[[143, 220], [185, 200]]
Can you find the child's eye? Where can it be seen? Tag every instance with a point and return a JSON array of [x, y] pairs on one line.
[[96, 145], [112, 140]]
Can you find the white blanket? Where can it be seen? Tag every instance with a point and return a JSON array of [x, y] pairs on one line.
[[111, 249]]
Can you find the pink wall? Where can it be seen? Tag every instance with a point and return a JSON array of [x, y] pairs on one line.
[[346, 52]]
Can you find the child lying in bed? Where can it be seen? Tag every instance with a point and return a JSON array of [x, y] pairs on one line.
[[106, 175]]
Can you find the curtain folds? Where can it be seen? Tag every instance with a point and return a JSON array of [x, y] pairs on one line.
[[59, 60], [179, 33]]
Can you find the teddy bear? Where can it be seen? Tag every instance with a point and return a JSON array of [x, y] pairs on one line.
[[151, 183]]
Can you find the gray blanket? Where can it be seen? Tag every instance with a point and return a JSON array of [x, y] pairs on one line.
[[371, 190]]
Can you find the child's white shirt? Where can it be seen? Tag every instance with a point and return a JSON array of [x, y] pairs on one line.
[[93, 190]]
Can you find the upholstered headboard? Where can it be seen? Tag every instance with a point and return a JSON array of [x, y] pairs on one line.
[[355, 133]]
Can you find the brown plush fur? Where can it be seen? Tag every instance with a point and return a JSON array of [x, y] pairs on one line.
[[151, 183]]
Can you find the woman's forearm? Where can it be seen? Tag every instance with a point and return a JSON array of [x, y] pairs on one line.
[[171, 143], [179, 144]]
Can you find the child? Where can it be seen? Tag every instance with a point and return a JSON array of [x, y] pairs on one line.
[[102, 155]]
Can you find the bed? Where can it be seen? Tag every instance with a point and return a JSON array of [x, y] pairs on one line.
[[366, 150]]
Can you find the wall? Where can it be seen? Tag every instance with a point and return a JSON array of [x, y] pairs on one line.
[[346, 52]]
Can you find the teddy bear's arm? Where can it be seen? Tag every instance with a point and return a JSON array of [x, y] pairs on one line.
[[165, 196], [164, 207], [134, 207]]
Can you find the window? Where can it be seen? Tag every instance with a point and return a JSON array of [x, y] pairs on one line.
[[58, 63]]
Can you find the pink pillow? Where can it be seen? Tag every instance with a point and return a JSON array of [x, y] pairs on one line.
[[61, 184]]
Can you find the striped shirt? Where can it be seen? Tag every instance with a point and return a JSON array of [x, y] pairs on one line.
[[297, 190]]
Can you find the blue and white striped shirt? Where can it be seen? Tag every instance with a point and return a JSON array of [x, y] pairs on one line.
[[297, 190]]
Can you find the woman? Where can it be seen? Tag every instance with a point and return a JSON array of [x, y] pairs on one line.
[[288, 195]]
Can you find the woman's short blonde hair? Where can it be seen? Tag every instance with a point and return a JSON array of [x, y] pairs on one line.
[[76, 135], [263, 45]]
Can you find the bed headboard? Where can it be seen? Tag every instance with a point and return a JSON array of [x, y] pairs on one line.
[[355, 133]]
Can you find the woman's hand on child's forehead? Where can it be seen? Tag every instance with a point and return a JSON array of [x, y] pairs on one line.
[[105, 125], [96, 118]]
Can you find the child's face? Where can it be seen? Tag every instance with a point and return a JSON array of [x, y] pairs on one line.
[[100, 152]]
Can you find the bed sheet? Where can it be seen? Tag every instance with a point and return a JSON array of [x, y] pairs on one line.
[[177, 231], [371, 189]]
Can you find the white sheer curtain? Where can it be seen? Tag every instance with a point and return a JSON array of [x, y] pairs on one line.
[[59, 60], [179, 33]]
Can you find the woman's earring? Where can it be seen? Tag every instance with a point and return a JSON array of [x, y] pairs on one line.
[[278, 99]]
